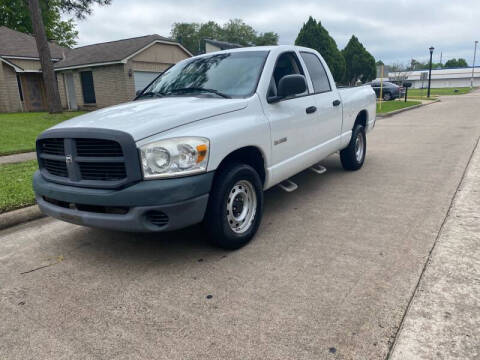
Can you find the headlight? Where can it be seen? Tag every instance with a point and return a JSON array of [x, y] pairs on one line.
[[174, 157]]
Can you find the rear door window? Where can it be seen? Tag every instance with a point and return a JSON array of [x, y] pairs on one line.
[[317, 72]]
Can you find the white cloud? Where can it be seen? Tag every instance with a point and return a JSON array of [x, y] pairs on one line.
[[394, 31]]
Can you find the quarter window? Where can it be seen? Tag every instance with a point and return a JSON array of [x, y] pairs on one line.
[[87, 87], [317, 72]]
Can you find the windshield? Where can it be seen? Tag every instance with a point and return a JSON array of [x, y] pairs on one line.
[[232, 74]]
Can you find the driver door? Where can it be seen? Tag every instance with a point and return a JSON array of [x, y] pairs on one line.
[[293, 122]]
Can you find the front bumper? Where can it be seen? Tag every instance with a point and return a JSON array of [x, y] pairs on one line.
[[182, 200]]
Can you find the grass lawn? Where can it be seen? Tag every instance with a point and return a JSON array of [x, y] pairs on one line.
[[16, 185], [440, 91], [388, 106], [18, 131]]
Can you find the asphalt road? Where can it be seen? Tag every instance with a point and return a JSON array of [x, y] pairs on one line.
[[328, 276]]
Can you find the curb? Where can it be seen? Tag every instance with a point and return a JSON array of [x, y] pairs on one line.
[[17, 158], [20, 216], [405, 109]]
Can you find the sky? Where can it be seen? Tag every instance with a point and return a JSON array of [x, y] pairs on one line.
[[393, 31]]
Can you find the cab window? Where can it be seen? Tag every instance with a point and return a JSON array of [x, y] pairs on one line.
[[317, 72], [287, 64]]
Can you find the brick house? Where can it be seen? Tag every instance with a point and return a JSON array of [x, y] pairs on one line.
[[89, 77]]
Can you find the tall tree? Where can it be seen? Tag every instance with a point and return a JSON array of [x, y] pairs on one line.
[[315, 36], [267, 38], [80, 8], [359, 63], [192, 35], [51, 85], [15, 15], [236, 31], [454, 63]]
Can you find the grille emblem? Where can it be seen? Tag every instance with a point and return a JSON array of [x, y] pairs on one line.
[[68, 159]]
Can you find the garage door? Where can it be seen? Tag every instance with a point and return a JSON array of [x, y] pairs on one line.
[[143, 78]]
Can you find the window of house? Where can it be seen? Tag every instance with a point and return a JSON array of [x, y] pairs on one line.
[[317, 72], [87, 87]]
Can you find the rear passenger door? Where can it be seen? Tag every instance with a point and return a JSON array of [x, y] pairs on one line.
[[328, 103]]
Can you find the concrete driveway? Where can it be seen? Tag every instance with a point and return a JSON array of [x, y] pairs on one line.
[[328, 276]]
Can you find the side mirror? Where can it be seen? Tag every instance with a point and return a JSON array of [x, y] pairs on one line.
[[289, 85], [138, 92]]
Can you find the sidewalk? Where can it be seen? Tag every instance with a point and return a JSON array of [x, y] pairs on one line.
[[443, 319], [15, 158]]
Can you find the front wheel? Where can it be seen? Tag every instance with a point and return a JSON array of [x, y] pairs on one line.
[[353, 156], [235, 207], [387, 96]]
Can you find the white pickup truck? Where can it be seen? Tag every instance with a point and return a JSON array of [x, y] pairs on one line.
[[201, 143]]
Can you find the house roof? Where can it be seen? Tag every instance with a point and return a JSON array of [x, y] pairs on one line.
[[223, 45], [109, 52], [17, 44]]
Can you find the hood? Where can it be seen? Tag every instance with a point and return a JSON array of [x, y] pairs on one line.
[[144, 118]]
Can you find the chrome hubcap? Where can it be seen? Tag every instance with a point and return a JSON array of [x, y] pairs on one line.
[[241, 206], [359, 147]]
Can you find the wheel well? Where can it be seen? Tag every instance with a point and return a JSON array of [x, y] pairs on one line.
[[250, 155], [361, 119]]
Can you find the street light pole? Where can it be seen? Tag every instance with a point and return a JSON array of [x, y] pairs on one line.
[[473, 67], [430, 71]]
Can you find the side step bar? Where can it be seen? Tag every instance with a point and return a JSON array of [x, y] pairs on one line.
[[318, 169], [288, 185]]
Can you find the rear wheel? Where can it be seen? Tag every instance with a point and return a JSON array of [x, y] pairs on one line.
[[387, 96], [235, 207], [353, 156]]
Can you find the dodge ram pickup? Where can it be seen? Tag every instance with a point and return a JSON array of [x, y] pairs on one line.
[[202, 142]]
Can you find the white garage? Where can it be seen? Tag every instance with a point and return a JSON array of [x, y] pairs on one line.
[[143, 78]]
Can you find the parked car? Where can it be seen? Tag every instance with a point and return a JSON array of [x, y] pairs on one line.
[[201, 144], [390, 90]]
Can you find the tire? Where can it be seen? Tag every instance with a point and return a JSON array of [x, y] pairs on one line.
[[387, 96], [235, 206], [353, 156]]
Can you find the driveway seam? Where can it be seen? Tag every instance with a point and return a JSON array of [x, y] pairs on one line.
[[400, 327]]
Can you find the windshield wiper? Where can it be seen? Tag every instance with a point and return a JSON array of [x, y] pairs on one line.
[[150, 94], [196, 89]]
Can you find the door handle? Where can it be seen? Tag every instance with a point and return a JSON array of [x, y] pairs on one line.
[[336, 102], [310, 109]]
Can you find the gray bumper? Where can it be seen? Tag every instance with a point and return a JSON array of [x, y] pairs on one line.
[[183, 200]]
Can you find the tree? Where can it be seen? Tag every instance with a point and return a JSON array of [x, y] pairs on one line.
[[454, 63], [192, 35], [268, 38], [359, 63], [15, 15], [418, 65], [315, 36], [236, 31], [80, 8], [51, 85]]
